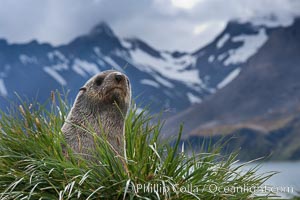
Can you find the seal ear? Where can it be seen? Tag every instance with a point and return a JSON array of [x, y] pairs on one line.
[[82, 89]]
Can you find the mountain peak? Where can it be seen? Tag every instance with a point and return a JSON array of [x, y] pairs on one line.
[[102, 28], [236, 28]]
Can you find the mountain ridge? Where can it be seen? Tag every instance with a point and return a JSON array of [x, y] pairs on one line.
[[264, 100], [97, 50], [208, 69]]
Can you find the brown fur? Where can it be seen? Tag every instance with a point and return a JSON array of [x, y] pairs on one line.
[[101, 107]]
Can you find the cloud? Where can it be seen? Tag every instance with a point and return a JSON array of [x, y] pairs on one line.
[[165, 24], [186, 4]]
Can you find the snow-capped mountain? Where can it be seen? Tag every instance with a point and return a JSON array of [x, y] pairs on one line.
[[221, 61], [259, 111], [162, 79]]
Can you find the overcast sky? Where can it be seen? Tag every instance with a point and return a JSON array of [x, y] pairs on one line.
[[165, 24]]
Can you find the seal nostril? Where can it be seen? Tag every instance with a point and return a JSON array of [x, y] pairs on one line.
[[118, 77]]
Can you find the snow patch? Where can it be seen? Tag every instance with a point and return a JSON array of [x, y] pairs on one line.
[[54, 74], [60, 67], [3, 90], [121, 53], [229, 78], [58, 55], [79, 70], [222, 56], [168, 66], [223, 40], [193, 98], [112, 63], [126, 44], [25, 59], [181, 62], [163, 81], [100, 62], [3, 74], [251, 43], [107, 59], [98, 52], [211, 58], [150, 82], [84, 68]]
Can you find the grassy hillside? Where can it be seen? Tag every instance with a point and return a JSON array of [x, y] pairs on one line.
[[32, 165]]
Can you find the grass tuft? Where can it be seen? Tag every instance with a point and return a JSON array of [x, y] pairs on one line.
[[32, 165]]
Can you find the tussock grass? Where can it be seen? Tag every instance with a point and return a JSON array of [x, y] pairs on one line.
[[32, 165]]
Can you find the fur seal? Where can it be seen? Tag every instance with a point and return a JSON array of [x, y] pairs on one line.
[[101, 104]]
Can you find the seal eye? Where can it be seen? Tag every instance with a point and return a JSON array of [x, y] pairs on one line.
[[128, 82], [99, 81]]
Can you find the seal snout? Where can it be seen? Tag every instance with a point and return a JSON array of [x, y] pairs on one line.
[[119, 80], [119, 88]]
